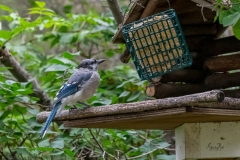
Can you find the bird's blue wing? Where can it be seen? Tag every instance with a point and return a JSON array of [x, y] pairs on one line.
[[72, 85]]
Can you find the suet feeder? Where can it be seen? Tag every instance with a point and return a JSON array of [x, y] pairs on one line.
[[157, 45]]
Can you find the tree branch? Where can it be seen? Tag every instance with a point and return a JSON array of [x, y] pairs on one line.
[[22, 75], [116, 11]]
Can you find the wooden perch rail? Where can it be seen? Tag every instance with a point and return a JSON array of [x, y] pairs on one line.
[[22, 76], [228, 102], [150, 105]]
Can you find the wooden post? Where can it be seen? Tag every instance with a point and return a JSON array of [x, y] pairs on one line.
[[208, 140]]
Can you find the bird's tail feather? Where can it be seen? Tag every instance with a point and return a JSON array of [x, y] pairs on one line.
[[49, 119]]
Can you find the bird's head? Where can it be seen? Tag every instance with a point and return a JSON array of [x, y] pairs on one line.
[[91, 64]]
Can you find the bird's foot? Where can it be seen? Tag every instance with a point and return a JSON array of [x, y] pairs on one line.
[[86, 105], [49, 109], [72, 108]]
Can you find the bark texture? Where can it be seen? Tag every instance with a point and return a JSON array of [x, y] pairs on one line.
[[223, 63], [136, 107]]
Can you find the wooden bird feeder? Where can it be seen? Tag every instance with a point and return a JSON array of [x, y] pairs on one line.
[[203, 107]]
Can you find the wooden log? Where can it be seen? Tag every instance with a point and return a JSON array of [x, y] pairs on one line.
[[195, 43], [221, 81], [198, 60], [125, 56], [173, 90], [222, 45], [204, 29], [223, 63], [185, 75], [232, 93], [150, 8], [136, 107]]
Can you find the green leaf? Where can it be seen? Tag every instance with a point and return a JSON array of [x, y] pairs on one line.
[[5, 34], [231, 19], [45, 149], [44, 143], [33, 111], [62, 60], [5, 8], [5, 114], [47, 13], [236, 30], [23, 151], [4, 139], [58, 143], [69, 152], [33, 123], [134, 96], [24, 91], [121, 85], [166, 157], [57, 153], [70, 55], [56, 67], [34, 12], [67, 9], [107, 143], [40, 4], [222, 14], [66, 37], [164, 144], [110, 53], [124, 94]]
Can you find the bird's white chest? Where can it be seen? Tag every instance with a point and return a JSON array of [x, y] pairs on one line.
[[86, 91]]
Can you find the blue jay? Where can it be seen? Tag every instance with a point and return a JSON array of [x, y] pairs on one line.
[[80, 87]]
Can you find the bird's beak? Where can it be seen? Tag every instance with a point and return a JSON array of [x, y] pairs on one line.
[[100, 61]]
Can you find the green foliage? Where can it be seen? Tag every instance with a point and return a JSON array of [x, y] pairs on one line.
[[230, 16], [68, 37]]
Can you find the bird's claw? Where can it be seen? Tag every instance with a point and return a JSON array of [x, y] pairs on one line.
[[49, 109], [72, 108], [86, 106]]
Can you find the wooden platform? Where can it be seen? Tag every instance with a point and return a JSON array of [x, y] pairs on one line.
[[165, 119], [165, 114]]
